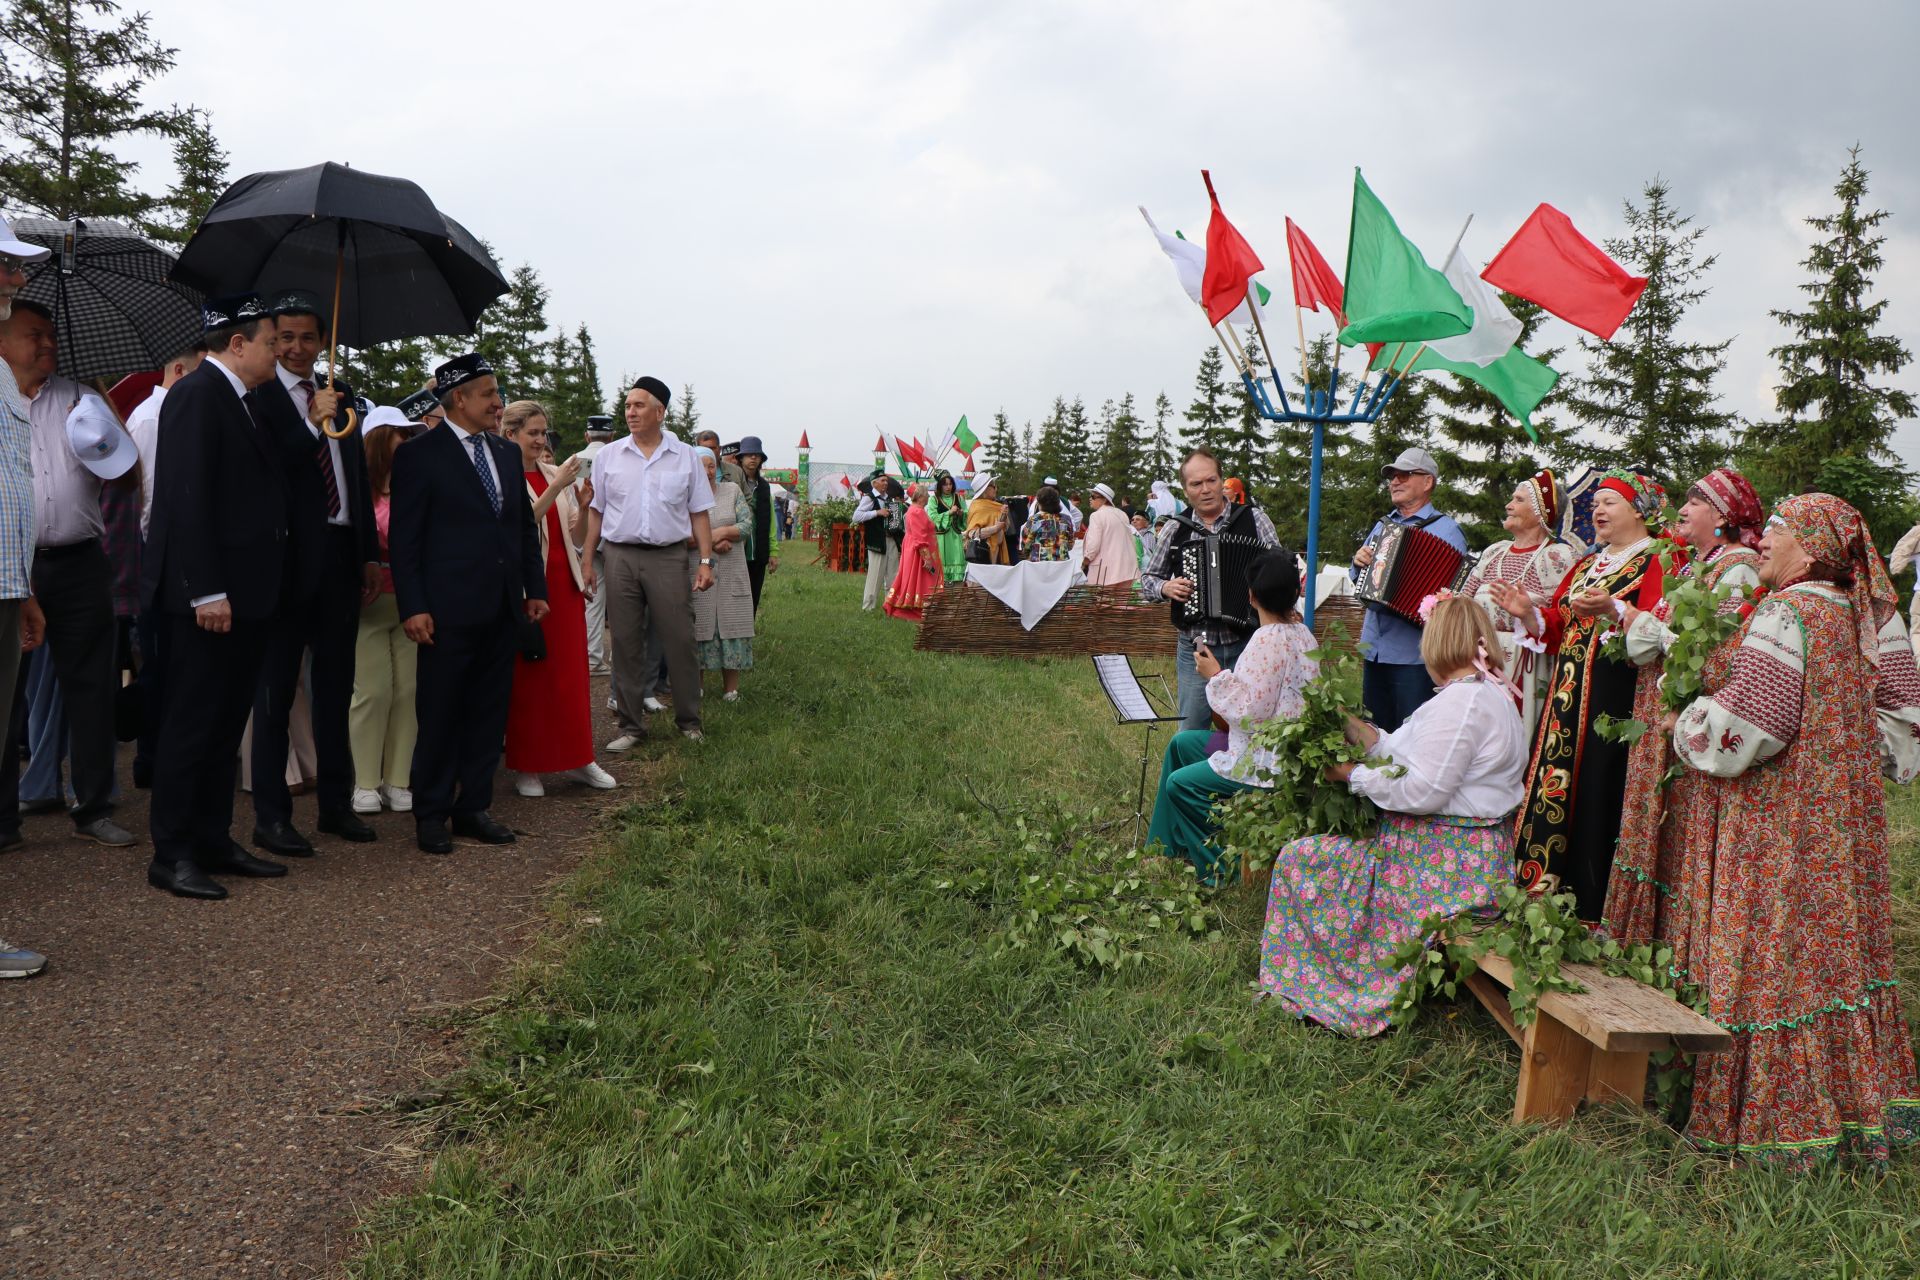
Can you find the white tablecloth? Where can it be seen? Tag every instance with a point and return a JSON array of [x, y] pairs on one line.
[[1333, 580], [1030, 588]]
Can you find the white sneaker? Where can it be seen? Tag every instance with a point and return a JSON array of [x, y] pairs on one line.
[[399, 799], [365, 800], [529, 784], [652, 703], [625, 742], [693, 735], [592, 775], [731, 695]]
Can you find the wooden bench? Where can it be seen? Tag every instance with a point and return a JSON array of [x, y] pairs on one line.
[[1592, 1046]]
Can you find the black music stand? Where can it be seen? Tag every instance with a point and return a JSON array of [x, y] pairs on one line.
[[1131, 705]]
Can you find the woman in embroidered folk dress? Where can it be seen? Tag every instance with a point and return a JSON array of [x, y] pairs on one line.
[[1264, 684], [1661, 876], [1340, 906], [1535, 561], [1576, 779], [550, 716], [949, 516], [1799, 964], [919, 576]]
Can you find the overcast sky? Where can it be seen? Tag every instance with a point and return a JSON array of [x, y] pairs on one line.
[[858, 214]]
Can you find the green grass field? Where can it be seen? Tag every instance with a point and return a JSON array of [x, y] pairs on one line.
[[763, 1043]]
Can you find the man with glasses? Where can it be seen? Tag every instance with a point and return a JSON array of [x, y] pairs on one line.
[[1395, 682], [1211, 513]]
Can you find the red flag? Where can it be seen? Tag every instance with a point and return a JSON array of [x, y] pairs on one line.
[[1551, 263], [1231, 262], [1313, 280], [914, 453]]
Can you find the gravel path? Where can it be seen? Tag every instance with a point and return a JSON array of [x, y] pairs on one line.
[[186, 1085]]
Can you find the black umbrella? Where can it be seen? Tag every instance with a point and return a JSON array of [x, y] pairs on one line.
[[114, 308], [395, 266]]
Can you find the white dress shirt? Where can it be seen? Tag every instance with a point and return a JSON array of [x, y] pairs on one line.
[[239, 389], [66, 496], [465, 436], [1464, 752], [144, 425], [301, 389], [649, 501]]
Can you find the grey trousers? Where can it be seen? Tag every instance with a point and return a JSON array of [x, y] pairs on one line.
[[880, 574], [651, 584], [597, 616]]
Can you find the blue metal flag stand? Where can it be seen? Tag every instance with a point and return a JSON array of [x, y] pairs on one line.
[[1319, 409]]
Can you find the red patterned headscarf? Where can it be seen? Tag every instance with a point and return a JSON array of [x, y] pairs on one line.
[[1729, 494], [1836, 537], [1644, 492]]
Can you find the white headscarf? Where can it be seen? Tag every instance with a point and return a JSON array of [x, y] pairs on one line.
[[1162, 504]]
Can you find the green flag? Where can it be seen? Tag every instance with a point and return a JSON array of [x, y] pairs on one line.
[[1392, 294], [1516, 380], [963, 438]]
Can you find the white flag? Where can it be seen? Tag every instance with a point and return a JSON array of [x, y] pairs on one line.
[[1494, 329], [1190, 263]]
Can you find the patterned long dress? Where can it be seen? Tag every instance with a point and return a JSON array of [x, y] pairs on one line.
[[949, 515], [1576, 779], [1662, 874], [1536, 570], [1799, 959]]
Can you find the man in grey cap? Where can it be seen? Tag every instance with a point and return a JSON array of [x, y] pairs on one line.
[[1394, 681]]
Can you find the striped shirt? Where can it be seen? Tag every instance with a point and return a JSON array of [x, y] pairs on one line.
[[16, 490]]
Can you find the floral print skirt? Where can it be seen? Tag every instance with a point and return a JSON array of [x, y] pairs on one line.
[[1340, 907]]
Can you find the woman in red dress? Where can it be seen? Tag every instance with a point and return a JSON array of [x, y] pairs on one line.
[[550, 724], [919, 577]]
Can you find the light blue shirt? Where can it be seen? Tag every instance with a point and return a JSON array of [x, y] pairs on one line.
[[16, 490], [1393, 638]]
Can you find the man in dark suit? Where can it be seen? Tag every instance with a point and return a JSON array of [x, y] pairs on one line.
[[466, 567], [336, 554], [215, 565]]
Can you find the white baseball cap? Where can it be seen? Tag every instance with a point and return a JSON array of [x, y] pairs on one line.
[[10, 244], [98, 440], [386, 416]]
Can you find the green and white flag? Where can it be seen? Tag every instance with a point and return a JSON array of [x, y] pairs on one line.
[[1494, 328]]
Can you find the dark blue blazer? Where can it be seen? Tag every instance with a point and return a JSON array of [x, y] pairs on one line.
[[452, 557], [219, 522]]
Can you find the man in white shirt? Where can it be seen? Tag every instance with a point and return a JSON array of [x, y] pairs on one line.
[[650, 496], [72, 578]]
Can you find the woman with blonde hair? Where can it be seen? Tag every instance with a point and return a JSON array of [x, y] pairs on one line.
[[1447, 782], [550, 719], [380, 722]]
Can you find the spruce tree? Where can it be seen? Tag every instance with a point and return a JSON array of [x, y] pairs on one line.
[[1160, 460], [1837, 432], [1077, 445], [390, 371], [1483, 451], [588, 374], [1208, 415], [683, 414], [1052, 452], [69, 90], [200, 176], [512, 335], [1003, 448], [1024, 472], [1648, 394], [1122, 454], [1244, 443]]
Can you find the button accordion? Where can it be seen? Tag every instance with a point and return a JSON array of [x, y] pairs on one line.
[[1409, 564], [1217, 565]]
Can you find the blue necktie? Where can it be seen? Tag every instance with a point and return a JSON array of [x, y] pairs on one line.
[[486, 474]]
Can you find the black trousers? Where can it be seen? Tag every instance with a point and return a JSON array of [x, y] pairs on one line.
[[211, 680], [328, 623], [756, 578], [151, 636], [462, 693], [74, 585]]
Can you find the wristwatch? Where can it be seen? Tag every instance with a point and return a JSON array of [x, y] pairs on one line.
[[707, 560]]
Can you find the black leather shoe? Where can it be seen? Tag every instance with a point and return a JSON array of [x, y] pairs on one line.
[[481, 826], [347, 826], [12, 839], [433, 837], [236, 861], [281, 839], [183, 879]]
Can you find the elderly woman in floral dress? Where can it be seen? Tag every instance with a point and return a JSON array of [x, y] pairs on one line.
[[1804, 712], [1655, 890], [1533, 560]]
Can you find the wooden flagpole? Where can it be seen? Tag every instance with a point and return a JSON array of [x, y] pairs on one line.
[[1300, 330], [1260, 327]]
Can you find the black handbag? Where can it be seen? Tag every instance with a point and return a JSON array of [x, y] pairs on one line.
[[531, 640], [978, 552]]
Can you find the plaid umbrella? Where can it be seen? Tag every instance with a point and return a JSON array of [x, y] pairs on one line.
[[113, 306]]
